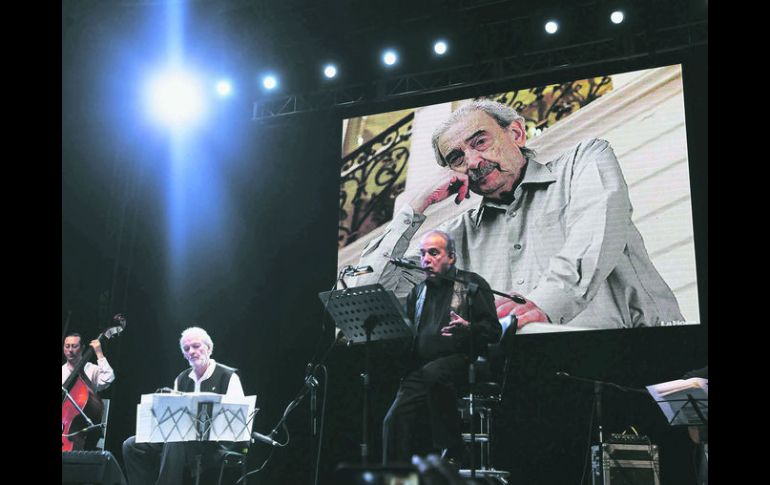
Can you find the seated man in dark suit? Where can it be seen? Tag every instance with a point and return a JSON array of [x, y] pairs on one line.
[[423, 417]]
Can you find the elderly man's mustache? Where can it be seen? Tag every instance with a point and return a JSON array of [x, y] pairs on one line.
[[484, 169]]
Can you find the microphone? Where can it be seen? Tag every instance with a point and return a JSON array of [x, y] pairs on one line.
[[405, 263], [264, 439], [164, 390], [358, 270]]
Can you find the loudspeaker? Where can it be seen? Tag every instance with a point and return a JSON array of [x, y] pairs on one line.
[[625, 464], [90, 467]]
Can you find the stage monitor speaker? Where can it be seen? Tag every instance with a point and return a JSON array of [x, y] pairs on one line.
[[90, 467], [625, 464]]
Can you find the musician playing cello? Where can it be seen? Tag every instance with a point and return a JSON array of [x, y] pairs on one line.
[[81, 406], [100, 374]]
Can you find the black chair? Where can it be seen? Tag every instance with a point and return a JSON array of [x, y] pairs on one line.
[[224, 466], [491, 377], [234, 457]]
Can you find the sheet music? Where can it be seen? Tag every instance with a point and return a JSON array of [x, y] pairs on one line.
[[234, 417], [672, 398], [202, 416]]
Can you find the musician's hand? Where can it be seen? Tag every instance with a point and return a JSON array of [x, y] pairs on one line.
[[97, 346], [455, 322], [527, 312], [455, 183]]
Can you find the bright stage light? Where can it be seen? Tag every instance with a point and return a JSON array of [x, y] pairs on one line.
[[224, 88], [270, 82], [330, 71], [440, 47], [551, 27], [389, 57], [175, 98]]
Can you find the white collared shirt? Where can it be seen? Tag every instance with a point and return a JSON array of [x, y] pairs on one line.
[[234, 388], [101, 374]]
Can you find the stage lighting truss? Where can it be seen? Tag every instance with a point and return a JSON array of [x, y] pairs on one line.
[[610, 49]]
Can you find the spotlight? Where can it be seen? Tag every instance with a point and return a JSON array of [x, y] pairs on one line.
[[330, 71], [617, 17], [551, 26], [224, 88], [175, 97], [269, 82], [440, 47], [389, 57]]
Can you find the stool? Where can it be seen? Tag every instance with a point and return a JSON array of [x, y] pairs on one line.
[[486, 397], [487, 394]]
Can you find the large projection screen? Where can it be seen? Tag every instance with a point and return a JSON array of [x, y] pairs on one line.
[[388, 158]]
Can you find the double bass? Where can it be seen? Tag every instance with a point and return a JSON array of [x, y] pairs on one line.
[[81, 408]]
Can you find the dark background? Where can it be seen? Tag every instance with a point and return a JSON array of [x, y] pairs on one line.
[[261, 232]]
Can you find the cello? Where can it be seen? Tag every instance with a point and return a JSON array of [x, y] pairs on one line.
[[81, 408]]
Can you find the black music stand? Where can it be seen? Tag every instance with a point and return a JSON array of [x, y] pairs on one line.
[[684, 404], [690, 411], [366, 314]]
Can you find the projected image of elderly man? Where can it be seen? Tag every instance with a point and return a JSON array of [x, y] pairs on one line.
[[558, 233]]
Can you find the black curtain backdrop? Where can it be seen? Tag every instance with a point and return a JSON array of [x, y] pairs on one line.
[[252, 275]]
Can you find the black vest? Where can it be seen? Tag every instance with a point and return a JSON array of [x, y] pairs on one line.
[[218, 381]]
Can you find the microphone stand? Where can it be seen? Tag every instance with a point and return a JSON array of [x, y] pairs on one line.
[[310, 382], [472, 290], [598, 391], [598, 388]]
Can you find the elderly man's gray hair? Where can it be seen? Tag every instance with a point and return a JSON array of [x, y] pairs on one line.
[[503, 114], [197, 332]]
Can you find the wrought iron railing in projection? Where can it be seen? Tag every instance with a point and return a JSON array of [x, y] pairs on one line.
[[371, 178]]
